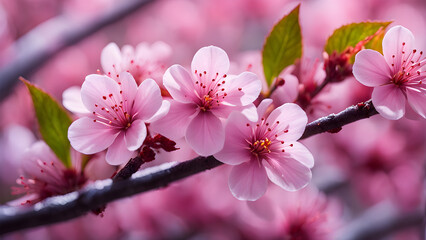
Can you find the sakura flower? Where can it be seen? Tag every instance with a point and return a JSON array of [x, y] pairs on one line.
[[397, 76], [205, 97], [266, 149], [119, 110], [146, 61], [44, 175], [309, 214]]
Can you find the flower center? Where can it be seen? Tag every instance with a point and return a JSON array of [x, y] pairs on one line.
[[260, 147], [408, 68], [264, 140], [113, 112], [210, 89], [48, 179]]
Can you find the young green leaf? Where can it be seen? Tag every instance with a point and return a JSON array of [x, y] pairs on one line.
[[283, 46], [53, 122], [350, 35]]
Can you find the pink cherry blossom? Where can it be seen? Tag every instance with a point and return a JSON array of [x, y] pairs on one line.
[[119, 110], [397, 76], [44, 175], [266, 149], [146, 61], [309, 214], [205, 97]]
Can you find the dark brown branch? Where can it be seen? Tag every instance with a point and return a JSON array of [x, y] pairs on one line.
[[72, 205], [334, 122], [57, 34], [75, 204]]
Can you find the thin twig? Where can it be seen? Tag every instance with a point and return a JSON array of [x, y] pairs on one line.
[[75, 204], [36, 47]]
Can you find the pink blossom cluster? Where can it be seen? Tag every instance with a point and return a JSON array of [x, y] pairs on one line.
[[203, 108], [136, 89]]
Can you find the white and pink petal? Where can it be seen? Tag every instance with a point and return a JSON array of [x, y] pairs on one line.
[[212, 60], [97, 91], [292, 121], [242, 89], [71, 99], [235, 150], [397, 42], [118, 153], [135, 135], [205, 134], [89, 137], [111, 59], [164, 109], [174, 124], [300, 153], [179, 84], [371, 69], [416, 97], [287, 173], [389, 101], [148, 100], [127, 86], [248, 181]]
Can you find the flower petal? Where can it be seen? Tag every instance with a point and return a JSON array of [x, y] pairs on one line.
[[300, 153], [158, 51], [250, 112], [95, 91], [90, 137], [288, 92], [292, 119], [263, 107], [371, 69], [175, 123], [179, 83], [111, 59], [164, 109], [128, 86], [205, 134], [397, 40], [223, 111], [71, 99], [32, 155], [417, 100], [242, 89], [389, 101], [235, 150], [148, 100], [287, 173], [248, 181], [211, 59], [135, 135], [118, 153]]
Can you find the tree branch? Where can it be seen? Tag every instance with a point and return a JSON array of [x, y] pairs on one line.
[[379, 221], [334, 122], [46, 40], [96, 195]]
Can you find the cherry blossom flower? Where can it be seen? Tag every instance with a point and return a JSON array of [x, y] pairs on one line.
[[266, 149], [146, 61], [205, 97], [119, 111], [397, 76], [309, 214], [44, 175]]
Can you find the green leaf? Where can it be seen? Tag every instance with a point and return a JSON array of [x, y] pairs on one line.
[[350, 35], [283, 46], [53, 122]]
